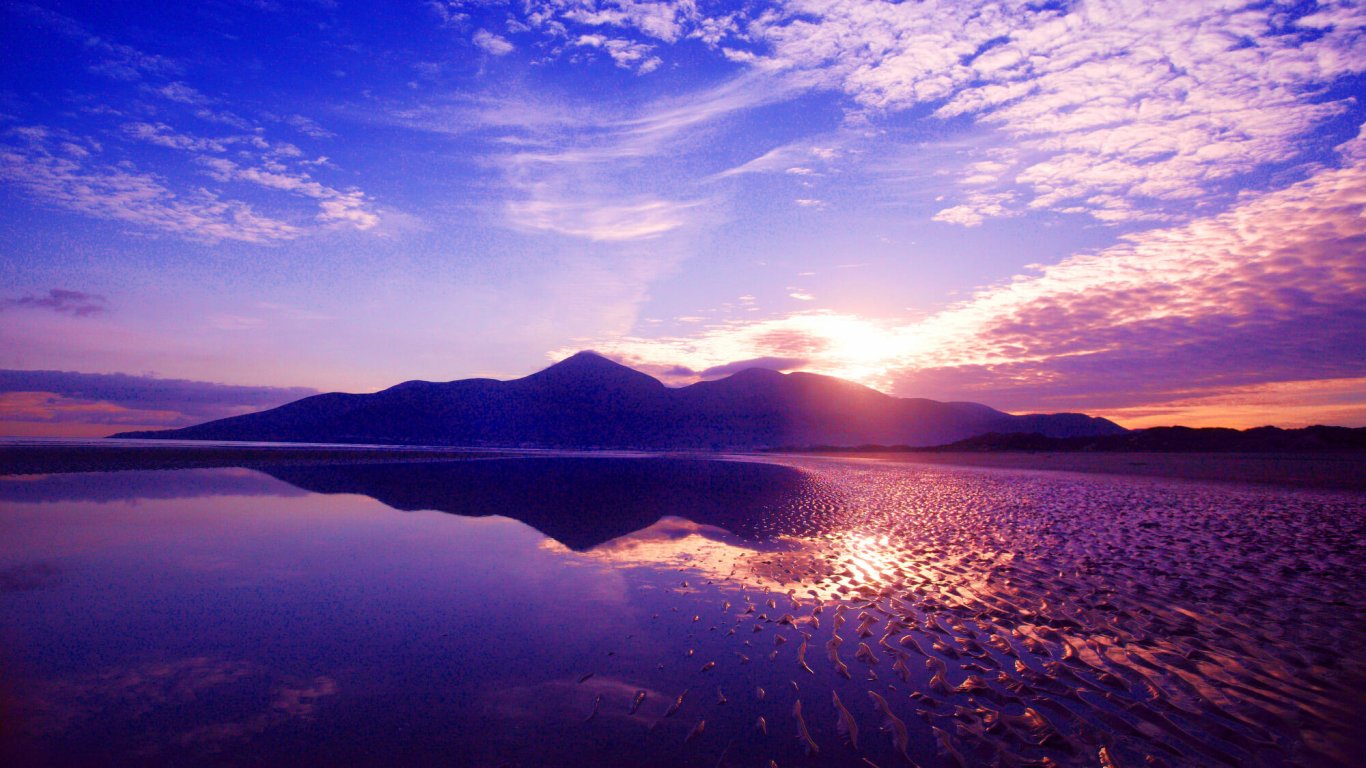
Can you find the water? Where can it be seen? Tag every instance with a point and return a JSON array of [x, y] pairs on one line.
[[510, 611]]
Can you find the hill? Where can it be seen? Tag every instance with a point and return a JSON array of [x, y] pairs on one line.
[[588, 401]]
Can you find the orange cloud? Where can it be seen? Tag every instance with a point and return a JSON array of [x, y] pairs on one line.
[[48, 414]]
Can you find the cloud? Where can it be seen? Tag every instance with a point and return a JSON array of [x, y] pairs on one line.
[[61, 397], [103, 173], [1113, 107], [164, 135], [335, 206], [978, 208], [308, 127], [112, 60], [62, 170], [78, 706], [50, 408], [596, 172], [664, 21], [181, 92], [493, 44], [600, 221], [794, 159], [624, 53], [768, 363], [65, 301], [449, 11], [1289, 404], [602, 25], [1271, 292], [1118, 111]]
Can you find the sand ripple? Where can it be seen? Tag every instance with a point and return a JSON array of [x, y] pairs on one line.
[[1020, 619]]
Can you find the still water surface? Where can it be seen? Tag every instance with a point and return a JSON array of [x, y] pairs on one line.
[[655, 611]]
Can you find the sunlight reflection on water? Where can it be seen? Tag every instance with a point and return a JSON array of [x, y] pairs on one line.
[[991, 617]]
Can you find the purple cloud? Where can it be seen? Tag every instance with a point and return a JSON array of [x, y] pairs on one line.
[[90, 398], [61, 300]]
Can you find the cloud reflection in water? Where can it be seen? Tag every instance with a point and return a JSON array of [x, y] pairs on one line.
[[1012, 617]]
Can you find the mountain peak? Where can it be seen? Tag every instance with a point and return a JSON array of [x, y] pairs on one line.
[[585, 358], [589, 368]]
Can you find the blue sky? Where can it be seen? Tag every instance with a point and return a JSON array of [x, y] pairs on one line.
[[1150, 211]]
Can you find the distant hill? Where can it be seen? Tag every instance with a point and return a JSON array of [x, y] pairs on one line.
[[588, 401], [1316, 439]]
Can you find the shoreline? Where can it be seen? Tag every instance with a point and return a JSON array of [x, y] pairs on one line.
[[1323, 471], [55, 459]]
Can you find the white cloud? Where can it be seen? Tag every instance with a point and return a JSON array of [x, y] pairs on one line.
[[308, 127], [164, 135], [661, 20], [103, 178], [1117, 106], [978, 208], [493, 44], [335, 206], [44, 165], [595, 172], [182, 93], [624, 53], [599, 220], [1120, 111], [71, 172], [787, 158]]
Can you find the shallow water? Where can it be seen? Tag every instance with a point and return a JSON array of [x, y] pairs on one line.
[[232, 616]]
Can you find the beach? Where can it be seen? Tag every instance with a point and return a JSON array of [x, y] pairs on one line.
[[1339, 471]]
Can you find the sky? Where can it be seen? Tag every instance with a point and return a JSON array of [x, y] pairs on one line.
[[1149, 211]]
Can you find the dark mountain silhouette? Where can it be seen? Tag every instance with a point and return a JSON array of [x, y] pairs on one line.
[[588, 401]]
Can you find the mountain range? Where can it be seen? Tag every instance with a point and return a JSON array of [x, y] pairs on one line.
[[588, 401]]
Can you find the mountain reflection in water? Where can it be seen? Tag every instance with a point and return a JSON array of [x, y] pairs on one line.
[[662, 606], [579, 502]]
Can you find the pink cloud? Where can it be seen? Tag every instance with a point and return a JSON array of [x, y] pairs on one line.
[[1272, 292]]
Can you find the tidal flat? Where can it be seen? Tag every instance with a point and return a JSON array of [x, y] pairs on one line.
[[676, 611]]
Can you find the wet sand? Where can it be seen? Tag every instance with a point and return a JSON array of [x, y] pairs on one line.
[[868, 612], [1327, 471]]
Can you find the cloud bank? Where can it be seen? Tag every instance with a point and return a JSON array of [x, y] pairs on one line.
[[90, 404], [63, 301]]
